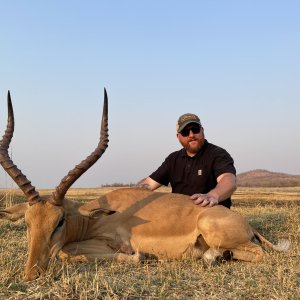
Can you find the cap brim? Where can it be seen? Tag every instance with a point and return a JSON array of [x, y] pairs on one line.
[[186, 123]]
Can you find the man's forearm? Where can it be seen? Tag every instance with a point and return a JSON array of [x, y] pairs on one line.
[[225, 187], [148, 183]]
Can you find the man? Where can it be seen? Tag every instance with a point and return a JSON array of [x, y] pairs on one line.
[[202, 170]]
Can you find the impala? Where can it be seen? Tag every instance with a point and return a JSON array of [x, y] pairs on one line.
[[126, 224]]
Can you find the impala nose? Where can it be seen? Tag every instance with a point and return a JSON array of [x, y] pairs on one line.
[[33, 275]]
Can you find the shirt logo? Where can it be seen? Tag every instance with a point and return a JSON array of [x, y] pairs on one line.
[[199, 172]]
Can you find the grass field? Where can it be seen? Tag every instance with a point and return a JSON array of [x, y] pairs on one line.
[[275, 212]]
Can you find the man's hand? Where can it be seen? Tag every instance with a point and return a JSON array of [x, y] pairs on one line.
[[205, 199], [225, 187]]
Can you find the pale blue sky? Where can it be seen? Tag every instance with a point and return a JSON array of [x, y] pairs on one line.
[[234, 63]]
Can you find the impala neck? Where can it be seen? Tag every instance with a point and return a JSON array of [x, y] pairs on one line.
[[77, 228]]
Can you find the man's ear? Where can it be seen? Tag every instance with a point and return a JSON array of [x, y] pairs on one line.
[[15, 212]]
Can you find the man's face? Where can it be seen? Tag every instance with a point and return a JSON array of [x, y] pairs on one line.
[[191, 138]]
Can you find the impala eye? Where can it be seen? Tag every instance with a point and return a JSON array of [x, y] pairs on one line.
[[58, 226], [60, 223]]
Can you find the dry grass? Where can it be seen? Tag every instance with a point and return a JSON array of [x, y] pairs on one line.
[[275, 212]]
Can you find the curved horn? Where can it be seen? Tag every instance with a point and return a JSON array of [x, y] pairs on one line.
[[61, 190], [16, 174]]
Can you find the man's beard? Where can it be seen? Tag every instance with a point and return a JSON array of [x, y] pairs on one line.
[[193, 149]]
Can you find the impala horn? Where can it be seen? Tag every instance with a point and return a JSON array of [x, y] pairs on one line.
[[61, 190], [19, 178]]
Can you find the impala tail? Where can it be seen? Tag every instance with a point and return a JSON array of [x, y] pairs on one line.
[[283, 245]]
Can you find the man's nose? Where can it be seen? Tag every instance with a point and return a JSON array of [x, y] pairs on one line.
[[191, 133]]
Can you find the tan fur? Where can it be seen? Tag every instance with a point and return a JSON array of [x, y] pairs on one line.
[[126, 223]]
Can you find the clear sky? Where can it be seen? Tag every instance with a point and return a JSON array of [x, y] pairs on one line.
[[234, 63]]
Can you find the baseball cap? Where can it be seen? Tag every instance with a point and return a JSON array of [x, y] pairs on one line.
[[185, 120]]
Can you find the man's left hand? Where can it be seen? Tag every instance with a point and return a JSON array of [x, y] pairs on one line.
[[205, 200]]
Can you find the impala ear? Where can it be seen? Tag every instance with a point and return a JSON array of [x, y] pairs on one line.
[[15, 212], [95, 213]]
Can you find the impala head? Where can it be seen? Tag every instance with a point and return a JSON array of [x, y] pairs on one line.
[[45, 216]]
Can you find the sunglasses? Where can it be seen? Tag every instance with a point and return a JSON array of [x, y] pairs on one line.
[[186, 131]]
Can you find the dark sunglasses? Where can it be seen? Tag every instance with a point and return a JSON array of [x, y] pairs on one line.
[[186, 131]]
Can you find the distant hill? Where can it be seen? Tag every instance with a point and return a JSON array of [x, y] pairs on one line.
[[264, 178]]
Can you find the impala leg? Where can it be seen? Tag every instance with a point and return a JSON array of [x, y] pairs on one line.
[[248, 252], [135, 258], [199, 248], [210, 256], [91, 250]]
